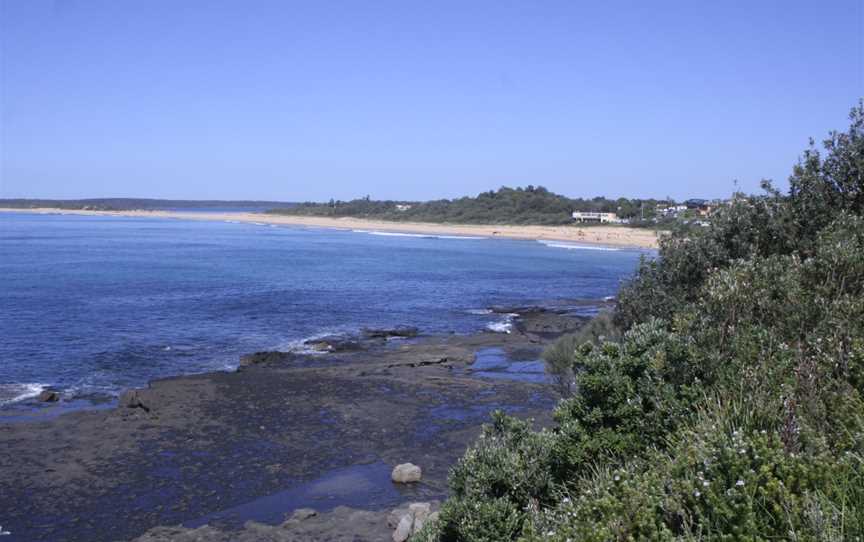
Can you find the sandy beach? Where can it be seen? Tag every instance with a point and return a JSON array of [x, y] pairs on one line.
[[615, 236]]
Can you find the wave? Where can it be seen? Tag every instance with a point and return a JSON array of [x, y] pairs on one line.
[[569, 246], [480, 312], [300, 346], [417, 235], [12, 393], [505, 325]]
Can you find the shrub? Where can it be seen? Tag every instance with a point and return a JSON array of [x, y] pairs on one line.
[[559, 357], [733, 406]]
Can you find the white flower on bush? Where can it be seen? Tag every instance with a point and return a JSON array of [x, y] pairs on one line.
[[740, 483]]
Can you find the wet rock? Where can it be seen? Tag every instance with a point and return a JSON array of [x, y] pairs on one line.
[[303, 514], [396, 515], [406, 473], [265, 357], [404, 529], [386, 333], [549, 324], [421, 512], [133, 399], [411, 520], [514, 309], [334, 343], [48, 396]]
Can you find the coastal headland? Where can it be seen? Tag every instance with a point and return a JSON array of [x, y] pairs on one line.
[[233, 455], [615, 236]]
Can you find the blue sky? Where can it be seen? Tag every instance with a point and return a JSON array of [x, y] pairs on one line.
[[416, 100]]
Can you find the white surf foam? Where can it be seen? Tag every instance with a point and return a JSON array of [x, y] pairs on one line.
[[299, 346], [417, 235], [12, 393], [480, 312], [569, 246], [505, 325]]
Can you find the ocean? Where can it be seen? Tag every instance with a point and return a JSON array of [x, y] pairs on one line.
[[92, 305]]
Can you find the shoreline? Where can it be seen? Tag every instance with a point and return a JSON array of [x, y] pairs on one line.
[[609, 236], [284, 431]]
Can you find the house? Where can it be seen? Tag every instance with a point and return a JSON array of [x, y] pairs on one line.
[[590, 216], [402, 206], [701, 206], [670, 211]]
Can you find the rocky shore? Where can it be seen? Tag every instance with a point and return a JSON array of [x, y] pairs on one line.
[[236, 455]]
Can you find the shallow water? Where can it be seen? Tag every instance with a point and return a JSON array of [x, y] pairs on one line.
[[358, 486], [497, 364], [92, 305]]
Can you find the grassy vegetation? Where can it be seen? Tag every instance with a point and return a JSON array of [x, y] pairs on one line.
[[529, 205], [723, 400]]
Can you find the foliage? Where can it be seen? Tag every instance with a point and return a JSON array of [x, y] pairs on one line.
[[559, 355], [732, 408], [529, 205]]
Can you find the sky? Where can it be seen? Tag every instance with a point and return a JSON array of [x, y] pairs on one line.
[[293, 100]]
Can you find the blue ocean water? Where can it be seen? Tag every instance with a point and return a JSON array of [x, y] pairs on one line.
[[94, 305]]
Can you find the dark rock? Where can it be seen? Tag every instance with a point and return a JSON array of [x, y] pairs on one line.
[[302, 514], [48, 396], [548, 324], [266, 357], [133, 399], [385, 333], [334, 343]]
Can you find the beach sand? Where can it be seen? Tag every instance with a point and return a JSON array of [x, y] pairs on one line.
[[615, 236]]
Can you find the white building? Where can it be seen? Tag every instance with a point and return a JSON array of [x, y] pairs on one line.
[[590, 216]]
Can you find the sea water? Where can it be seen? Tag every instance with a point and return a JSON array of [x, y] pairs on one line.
[[91, 305]]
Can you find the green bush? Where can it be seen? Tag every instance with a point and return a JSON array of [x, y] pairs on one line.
[[732, 408], [726, 478], [559, 357]]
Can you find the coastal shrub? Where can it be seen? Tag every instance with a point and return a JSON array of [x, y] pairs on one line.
[[715, 483], [528, 205], [629, 397], [559, 357], [747, 227], [732, 408], [506, 472]]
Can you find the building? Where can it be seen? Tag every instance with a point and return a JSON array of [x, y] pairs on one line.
[[701, 206], [403, 206], [590, 216], [670, 211]]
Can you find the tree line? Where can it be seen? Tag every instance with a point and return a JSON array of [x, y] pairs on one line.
[[528, 205]]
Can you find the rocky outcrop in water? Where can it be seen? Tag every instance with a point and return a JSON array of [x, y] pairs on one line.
[[402, 332], [48, 396], [406, 473]]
